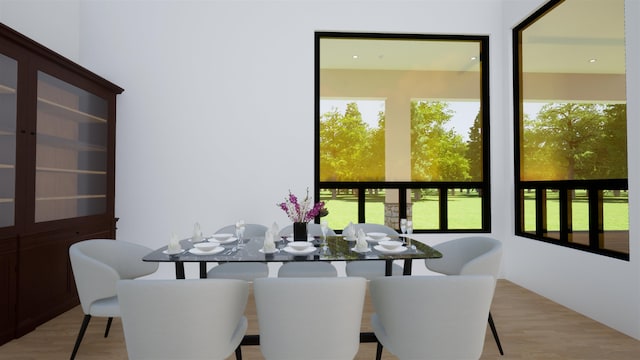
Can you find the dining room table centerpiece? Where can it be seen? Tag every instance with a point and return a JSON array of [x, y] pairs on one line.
[[301, 212]]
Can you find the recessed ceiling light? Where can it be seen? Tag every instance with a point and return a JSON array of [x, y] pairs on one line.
[[474, 58], [593, 60], [355, 56]]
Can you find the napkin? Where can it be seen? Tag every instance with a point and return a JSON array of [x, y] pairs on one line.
[[197, 233], [350, 231], [269, 243], [174, 244], [361, 241], [275, 230]]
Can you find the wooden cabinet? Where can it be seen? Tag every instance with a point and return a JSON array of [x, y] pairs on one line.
[[57, 183]]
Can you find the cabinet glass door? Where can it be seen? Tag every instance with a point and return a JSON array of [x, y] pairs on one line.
[[71, 151], [8, 106]]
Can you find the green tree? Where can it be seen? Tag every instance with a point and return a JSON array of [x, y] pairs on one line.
[[566, 142], [474, 149], [437, 154], [615, 146], [344, 145]]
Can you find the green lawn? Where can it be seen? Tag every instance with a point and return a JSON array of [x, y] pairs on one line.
[[465, 211]]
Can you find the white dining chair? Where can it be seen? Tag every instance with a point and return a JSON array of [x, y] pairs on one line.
[[307, 268], [311, 318], [375, 268], [97, 265], [247, 271], [472, 255], [431, 317], [183, 319]]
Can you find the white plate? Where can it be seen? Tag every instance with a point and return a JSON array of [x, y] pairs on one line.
[[360, 251], [229, 240], [306, 251], [397, 250], [196, 251], [269, 252], [372, 240], [175, 252]]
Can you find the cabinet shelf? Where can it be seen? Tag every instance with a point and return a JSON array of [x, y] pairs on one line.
[[4, 89], [7, 133], [66, 112], [6, 200], [70, 144], [72, 197], [7, 166], [71, 171]]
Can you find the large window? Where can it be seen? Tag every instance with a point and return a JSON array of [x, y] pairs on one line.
[[402, 130], [570, 113]]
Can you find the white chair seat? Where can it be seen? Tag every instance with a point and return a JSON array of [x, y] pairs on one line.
[[307, 269], [106, 307], [241, 271]]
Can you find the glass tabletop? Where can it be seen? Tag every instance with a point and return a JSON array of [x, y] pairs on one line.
[[337, 249]]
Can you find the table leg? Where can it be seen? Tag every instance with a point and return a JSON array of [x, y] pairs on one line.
[[203, 270], [388, 267], [407, 267], [179, 270]]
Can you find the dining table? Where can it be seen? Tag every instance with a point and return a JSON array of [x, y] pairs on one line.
[[333, 248]]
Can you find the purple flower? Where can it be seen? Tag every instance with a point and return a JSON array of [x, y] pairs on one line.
[[303, 211]]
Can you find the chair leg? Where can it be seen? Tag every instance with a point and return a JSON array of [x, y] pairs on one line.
[[379, 351], [495, 333], [106, 331], [83, 328], [238, 353]]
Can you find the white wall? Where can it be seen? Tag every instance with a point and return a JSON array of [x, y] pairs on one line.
[[37, 18], [216, 121]]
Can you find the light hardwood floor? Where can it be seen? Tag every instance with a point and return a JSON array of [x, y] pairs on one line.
[[530, 327]]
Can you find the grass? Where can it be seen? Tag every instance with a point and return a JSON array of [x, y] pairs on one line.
[[465, 211]]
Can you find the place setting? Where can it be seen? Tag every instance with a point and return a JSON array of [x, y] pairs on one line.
[[206, 248]]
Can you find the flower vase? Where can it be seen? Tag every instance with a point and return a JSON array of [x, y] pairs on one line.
[[299, 231]]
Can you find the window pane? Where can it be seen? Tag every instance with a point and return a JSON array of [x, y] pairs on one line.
[[573, 93], [342, 205], [400, 110], [579, 216], [529, 209], [8, 106], [425, 211], [616, 220], [465, 209], [553, 214]]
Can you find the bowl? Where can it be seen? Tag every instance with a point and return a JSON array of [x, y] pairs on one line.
[[390, 244], [221, 237], [206, 246], [299, 245], [377, 235]]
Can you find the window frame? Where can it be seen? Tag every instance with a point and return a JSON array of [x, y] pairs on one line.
[[443, 186], [564, 187]]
